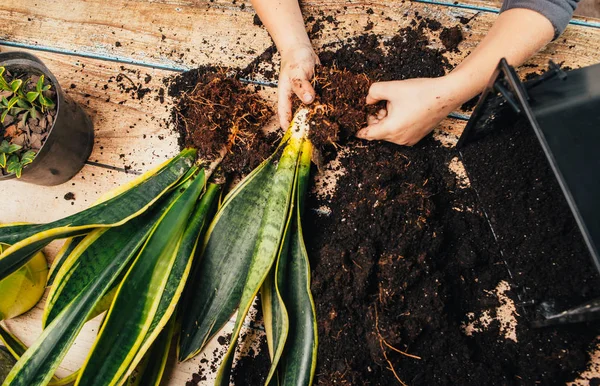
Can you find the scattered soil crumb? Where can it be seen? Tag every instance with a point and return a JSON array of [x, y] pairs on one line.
[[445, 137], [70, 196], [451, 38], [326, 179]]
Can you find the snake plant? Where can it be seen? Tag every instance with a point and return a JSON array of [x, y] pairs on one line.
[[133, 255], [255, 244]]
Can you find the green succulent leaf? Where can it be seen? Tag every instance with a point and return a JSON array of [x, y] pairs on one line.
[[298, 361], [40, 84], [215, 288], [80, 285], [23, 104], [9, 148], [270, 236], [15, 85], [61, 257], [150, 370], [27, 157], [12, 102], [159, 273], [3, 116], [14, 166], [31, 96], [2, 160]]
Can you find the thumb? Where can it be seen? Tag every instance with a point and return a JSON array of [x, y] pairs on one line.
[[303, 90]]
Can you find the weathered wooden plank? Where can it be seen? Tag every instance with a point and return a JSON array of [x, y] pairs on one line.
[[189, 33]]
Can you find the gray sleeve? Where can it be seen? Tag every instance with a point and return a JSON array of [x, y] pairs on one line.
[[559, 12]]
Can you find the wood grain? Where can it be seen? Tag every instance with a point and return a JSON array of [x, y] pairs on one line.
[[186, 34], [132, 132]]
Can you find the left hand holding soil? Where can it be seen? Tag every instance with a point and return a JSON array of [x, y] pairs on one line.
[[414, 107]]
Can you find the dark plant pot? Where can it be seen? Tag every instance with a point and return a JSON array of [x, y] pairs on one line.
[[70, 139]]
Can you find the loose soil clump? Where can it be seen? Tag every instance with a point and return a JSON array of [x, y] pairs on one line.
[[451, 38], [217, 112], [339, 110]]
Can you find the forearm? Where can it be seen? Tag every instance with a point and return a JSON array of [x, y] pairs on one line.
[[283, 20], [516, 35]]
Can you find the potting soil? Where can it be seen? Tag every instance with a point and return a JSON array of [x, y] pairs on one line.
[[408, 280]]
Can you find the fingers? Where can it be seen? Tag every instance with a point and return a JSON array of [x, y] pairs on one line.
[[374, 131]]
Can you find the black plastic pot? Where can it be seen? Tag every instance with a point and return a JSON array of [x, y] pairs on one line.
[[70, 139]]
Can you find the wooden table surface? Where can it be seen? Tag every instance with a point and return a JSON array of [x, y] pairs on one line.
[[87, 44]]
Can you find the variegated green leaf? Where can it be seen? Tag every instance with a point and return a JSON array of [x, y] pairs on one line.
[[271, 233], [147, 297], [132, 199], [85, 281]]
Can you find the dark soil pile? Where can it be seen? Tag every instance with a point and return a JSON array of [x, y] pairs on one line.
[[532, 220], [405, 255], [401, 260], [405, 55], [215, 111]]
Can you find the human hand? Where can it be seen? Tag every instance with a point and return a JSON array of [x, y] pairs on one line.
[[414, 107], [297, 69]]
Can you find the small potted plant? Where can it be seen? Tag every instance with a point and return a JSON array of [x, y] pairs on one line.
[[45, 137]]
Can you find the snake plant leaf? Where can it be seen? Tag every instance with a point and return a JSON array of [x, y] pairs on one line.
[[133, 199], [146, 299], [271, 233], [16, 348], [275, 313], [61, 256], [214, 290], [196, 228], [286, 296], [22, 289], [150, 370], [85, 280], [298, 362]]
